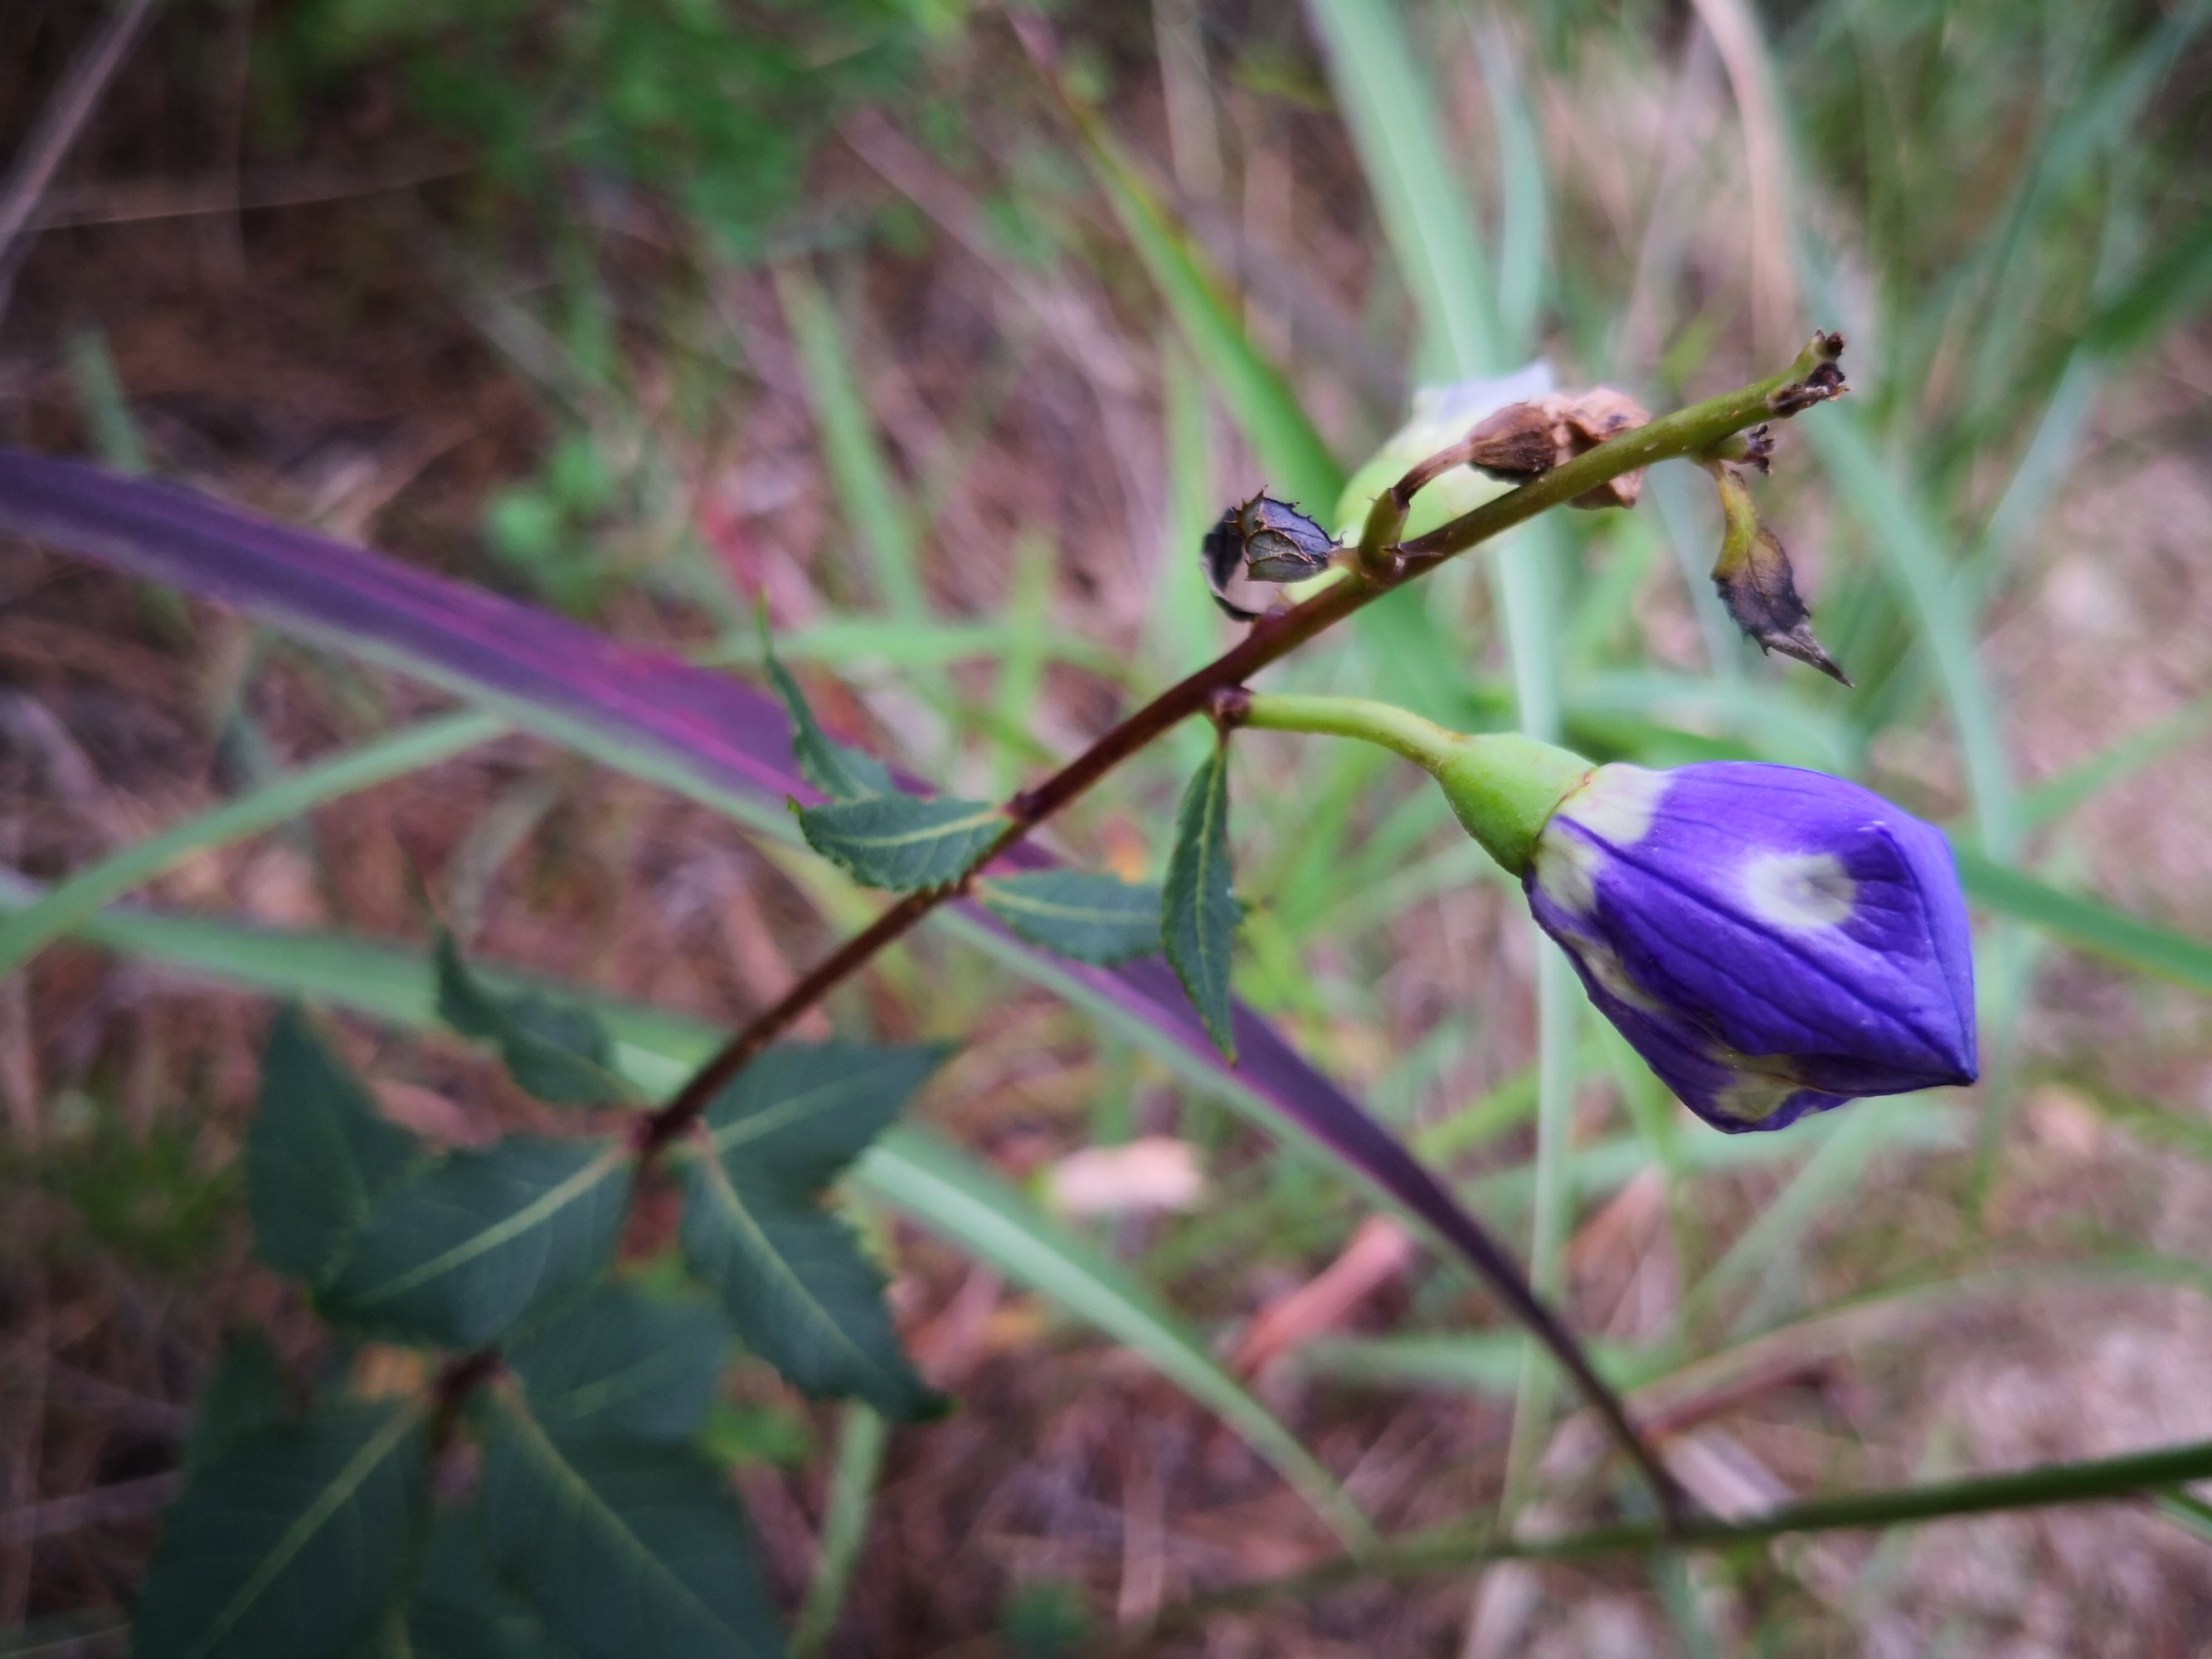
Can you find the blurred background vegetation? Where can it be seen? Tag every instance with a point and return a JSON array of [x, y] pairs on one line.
[[648, 311]]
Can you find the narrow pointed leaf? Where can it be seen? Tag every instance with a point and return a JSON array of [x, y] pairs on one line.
[[624, 1360], [626, 1551], [839, 772], [1199, 908], [556, 1049], [459, 1252], [294, 1545], [1093, 918], [318, 1154], [901, 842]]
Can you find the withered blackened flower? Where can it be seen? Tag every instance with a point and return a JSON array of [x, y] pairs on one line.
[[1755, 582], [1271, 540], [1773, 942]]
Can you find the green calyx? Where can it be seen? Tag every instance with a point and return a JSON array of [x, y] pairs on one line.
[[1503, 787]]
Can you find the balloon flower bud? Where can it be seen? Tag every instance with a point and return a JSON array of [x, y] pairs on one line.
[[1773, 942]]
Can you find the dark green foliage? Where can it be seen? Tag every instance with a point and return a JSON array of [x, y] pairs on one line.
[[901, 842], [294, 1544], [461, 1608], [318, 1155], [790, 1274], [463, 1250], [245, 1393], [555, 1049], [148, 1196], [1047, 1618], [1200, 908], [624, 1359], [1093, 918], [839, 772], [717, 109], [628, 1550]]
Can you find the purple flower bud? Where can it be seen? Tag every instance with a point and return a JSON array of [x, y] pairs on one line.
[[1772, 941]]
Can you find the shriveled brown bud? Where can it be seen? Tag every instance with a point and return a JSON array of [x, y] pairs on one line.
[[1756, 583], [1819, 383], [1525, 441], [1270, 540]]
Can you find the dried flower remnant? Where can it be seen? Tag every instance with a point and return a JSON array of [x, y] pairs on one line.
[[1773, 942], [1270, 540], [1755, 582], [1823, 382], [1525, 441]]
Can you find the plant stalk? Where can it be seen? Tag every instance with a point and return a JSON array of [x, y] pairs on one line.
[[1456, 1548], [1687, 431]]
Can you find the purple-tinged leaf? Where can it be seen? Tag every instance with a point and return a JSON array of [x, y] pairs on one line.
[[647, 712]]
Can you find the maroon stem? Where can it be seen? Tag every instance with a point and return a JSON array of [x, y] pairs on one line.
[[1686, 432]]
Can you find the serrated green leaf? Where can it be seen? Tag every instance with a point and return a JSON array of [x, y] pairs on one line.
[[797, 1284], [462, 1608], [1199, 908], [792, 1275], [1093, 918], [318, 1154], [628, 1550], [556, 1049], [903, 843], [839, 772], [624, 1359], [461, 1251], [802, 1111], [294, 1544], [245, 1394]]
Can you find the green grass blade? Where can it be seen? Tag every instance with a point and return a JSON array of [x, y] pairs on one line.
[[870, 498], [1387, 103], [1296, 462], [2078, 785], [277, 801], [2085, 922], [1455, 1549], [944, 1189], [861, 1439], [1914, 552]]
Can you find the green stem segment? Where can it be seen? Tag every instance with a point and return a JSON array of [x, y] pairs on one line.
[[1455, 1549], [1501, 785]]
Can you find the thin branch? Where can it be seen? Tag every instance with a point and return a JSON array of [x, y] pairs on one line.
[[1457, 1549], [1812, 379], [58, 127]]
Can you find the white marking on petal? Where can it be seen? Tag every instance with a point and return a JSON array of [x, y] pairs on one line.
[[1762, 1086], [1616, 803], [1603, 964], [1566, 867], [1803, 892]]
